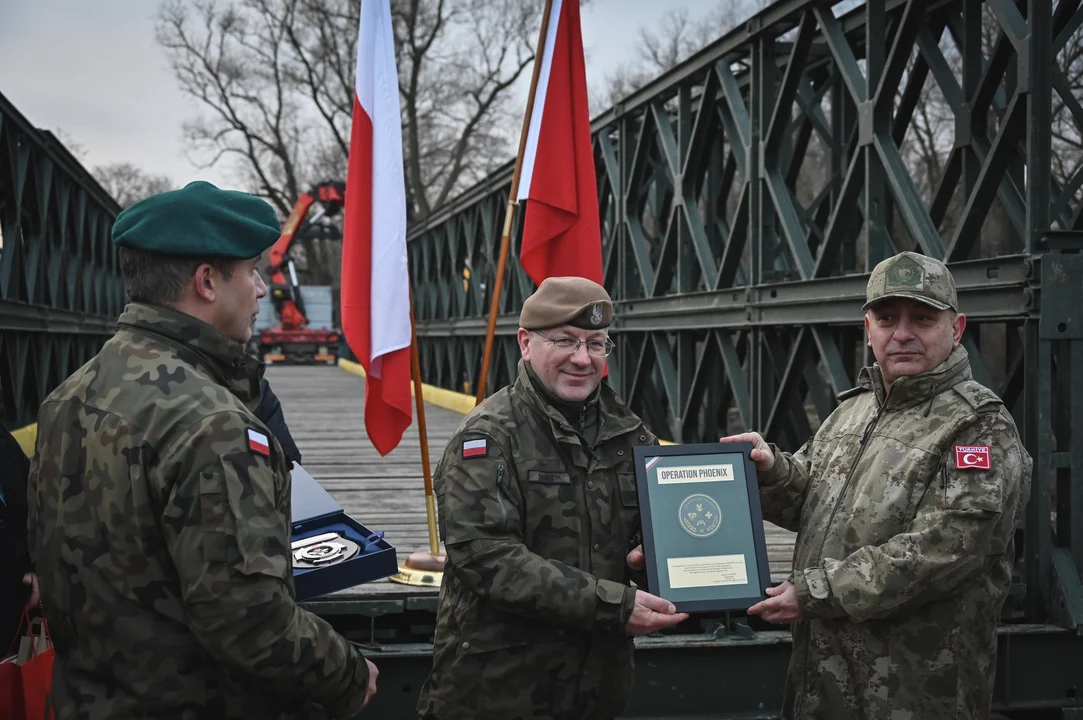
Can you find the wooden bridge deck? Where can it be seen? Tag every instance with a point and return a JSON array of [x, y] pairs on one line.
[[323, 407]]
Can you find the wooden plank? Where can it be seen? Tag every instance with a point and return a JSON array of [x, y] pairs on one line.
[[324, 408]]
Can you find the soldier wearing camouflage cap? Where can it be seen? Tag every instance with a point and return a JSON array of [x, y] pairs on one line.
[[160, 503], [905, 503], [538, 512]]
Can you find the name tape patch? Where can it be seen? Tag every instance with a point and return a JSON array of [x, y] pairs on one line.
[[973, 457], [475, 448], [258, 443]]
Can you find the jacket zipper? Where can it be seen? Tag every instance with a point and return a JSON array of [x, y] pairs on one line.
[[500, 496], [831, 521], [846, 485], [838, 502]]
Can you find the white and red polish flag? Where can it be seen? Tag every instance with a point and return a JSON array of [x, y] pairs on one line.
[[561, 229], [375, 278]]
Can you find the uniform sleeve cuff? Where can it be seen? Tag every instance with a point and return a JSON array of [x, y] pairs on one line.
[[814, 595], [352, 702], [611, 614], [778, 472]]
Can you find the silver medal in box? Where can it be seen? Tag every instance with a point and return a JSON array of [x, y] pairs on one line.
[[323, 550]]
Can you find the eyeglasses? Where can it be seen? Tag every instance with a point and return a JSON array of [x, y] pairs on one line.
[[570, 346]]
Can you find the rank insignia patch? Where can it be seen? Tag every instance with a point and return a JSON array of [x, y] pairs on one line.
[[475, 448], [258, 443], [973, 457]]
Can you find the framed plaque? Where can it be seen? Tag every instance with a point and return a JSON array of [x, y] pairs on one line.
[[703, 536]]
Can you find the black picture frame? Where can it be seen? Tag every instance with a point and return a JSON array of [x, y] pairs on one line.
[[709, 598]]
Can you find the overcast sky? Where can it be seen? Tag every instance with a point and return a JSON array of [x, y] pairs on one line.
[[92, 69]]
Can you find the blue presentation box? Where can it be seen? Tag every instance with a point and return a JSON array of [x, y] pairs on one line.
[[315, 512]]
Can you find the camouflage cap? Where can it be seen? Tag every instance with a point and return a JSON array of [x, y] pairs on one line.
[[199, 220], [572, 301], [914, 277]]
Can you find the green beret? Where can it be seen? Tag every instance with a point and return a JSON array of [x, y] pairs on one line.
[[199, 220], [572, 301]]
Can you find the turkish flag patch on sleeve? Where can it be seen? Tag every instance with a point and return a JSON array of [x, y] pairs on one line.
[[973, 457], [258, 443]]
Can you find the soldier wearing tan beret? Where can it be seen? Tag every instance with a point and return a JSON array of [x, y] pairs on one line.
[[538, 511]]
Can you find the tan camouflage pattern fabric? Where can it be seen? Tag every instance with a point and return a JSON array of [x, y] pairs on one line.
[[911, 276], [536, 589], [163, 543], [902, 562]]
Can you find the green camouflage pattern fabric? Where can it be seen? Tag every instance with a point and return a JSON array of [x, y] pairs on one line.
[[902, 562], [536, 593], [163, 543]]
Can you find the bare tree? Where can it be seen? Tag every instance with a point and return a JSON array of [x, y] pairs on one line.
[[76, 148], [676, 38], [129, 184], [275, 78]]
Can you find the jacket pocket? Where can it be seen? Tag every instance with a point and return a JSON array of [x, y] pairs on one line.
[[214, 519], [629, 493], [517, 675]]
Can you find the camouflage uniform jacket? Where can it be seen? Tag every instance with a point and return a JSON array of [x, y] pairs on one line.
[[162, 539], [536, 591], [903, 561]]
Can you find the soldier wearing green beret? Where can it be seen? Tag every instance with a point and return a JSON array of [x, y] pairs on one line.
[[159, 503], [538, 512], [905, 503]]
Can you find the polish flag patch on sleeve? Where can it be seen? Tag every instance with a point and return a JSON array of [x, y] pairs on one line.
[[475, 448], [973, 457], [258, 443]]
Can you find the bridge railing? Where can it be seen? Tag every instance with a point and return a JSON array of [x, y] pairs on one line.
[[746, 194], [60, 288]]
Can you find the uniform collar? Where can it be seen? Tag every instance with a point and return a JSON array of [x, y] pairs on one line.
[[914, 389], [614, 416], [202, 345]]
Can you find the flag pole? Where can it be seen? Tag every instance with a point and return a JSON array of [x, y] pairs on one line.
[[422, 568], [509, 216]]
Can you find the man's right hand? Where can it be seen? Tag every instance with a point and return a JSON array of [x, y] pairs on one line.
[[651, 614], [373, 673], [761, 452]]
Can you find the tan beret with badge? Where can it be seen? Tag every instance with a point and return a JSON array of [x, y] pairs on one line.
[[912, 277], [571, 301]]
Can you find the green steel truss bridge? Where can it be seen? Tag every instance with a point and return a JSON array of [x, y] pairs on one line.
[[744, 197]]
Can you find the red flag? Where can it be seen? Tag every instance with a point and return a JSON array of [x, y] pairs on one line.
[[375, 279], [561, 230]]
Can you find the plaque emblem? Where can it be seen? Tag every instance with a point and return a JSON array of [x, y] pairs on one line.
[[700, 515], [596, 315]]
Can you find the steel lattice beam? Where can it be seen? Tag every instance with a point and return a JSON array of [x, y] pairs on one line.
[[746, 194], [60, 288]]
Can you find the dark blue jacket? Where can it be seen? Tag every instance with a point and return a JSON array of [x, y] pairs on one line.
[[269, 411]]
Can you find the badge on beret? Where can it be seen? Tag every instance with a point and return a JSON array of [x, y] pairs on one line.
[[258, 443], [596, 314], [973, 457], [475, 448]]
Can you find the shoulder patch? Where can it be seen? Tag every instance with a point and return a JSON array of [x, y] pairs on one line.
[[258, 443], [973, 457], [977, 395], [475, 448]]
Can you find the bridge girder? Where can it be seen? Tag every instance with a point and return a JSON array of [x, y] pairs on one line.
[[745, 196], [60, 288]]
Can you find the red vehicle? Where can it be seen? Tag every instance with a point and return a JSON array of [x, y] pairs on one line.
[[292, 340]]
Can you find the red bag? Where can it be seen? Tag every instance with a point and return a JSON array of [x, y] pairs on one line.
[[11, 690], [26, 678]]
